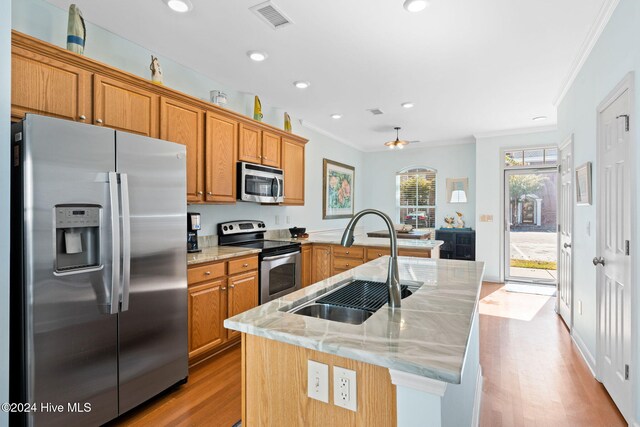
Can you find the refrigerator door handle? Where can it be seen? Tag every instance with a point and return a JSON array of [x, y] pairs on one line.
[[115, 242], [126, 242]]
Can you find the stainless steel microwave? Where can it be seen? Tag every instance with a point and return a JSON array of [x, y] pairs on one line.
[[262, 184]]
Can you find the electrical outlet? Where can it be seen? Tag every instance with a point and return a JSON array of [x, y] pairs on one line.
[[318, 381], [580, 307], [277, 219], [288, 219], [344, 388]]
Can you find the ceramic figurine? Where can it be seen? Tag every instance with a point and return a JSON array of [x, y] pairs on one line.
[[76, 31], [459, 220], [287, 122], [448, 221], [257, 109], [156, 71]]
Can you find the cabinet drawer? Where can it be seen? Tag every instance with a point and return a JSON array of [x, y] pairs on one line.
[[352, 252], [242, 265], [375, 253], [341, 264], [205, 272], [417, 253]]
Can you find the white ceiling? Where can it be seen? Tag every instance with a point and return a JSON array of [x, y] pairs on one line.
[[470, 66]]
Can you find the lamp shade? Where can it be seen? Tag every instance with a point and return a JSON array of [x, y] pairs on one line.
[[458, 196]]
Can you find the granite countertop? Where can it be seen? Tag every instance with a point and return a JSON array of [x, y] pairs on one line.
[[334, 238], [217, 253], [427, 336]]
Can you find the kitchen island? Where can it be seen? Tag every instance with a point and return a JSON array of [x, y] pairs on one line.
[[417, 365]]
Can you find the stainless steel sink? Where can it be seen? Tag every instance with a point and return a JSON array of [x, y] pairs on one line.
[[335, 313]]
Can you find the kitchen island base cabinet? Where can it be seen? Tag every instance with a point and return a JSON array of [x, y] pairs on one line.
[[279, 370]]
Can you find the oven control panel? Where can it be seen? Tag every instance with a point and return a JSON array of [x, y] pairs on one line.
[[238, 227]]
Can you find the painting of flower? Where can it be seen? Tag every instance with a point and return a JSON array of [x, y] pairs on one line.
[[338, 185]]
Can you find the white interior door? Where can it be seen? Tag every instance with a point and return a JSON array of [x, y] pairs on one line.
[[565, 227], [613, 261]]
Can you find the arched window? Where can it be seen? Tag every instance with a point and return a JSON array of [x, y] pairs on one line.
[[416, 197]]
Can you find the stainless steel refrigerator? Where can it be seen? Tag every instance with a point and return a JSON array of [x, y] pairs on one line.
[[98, 284]]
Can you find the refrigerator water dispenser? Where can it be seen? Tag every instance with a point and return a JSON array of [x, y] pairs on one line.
[[77, 237]]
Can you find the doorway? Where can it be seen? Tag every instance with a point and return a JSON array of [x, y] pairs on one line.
[[564, 302], [531, 223]]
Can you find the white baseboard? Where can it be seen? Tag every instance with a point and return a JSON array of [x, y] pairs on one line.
[[475, 418], [584, 351], [492, 279]]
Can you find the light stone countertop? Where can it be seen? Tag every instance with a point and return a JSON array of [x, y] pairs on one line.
[[427, 336], [334, 238], [217, 253]]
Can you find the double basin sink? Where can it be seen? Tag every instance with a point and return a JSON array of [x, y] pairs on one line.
[[353, 302]]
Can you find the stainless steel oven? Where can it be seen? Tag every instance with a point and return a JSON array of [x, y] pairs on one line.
[[261, 184], [280, 260], [280, 275]]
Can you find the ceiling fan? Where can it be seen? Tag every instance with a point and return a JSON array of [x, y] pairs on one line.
[[398, 143]]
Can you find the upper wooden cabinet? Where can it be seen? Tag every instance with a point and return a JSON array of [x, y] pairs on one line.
[[44, 85], [220, 154], [184, 124], [271, 149], [124, 106], [258, 146], [293, 166]]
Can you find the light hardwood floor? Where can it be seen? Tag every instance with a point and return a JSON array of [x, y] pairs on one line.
[[533, 376]]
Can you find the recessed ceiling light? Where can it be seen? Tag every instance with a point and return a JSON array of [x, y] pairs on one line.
[[415, 5], [336, 116], [180, 6], [301, 84], [407, 104], [257, 56], [539, 118]]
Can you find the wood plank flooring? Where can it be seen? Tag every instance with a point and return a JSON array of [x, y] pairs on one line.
[[533, 376]]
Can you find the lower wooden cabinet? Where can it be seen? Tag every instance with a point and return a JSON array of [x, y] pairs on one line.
[[321, 261], [307, 265], [214, 296]]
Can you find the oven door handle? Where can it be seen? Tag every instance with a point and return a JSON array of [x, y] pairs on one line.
[[288, 255]]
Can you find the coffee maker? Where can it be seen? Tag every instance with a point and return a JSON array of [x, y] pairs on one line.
[[193, 225]]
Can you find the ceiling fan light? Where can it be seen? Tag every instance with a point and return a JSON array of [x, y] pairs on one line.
[[415, 5]]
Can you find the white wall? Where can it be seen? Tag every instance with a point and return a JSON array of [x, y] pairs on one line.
[[615, 54], [5, 117], [490, 185], [449, 160]]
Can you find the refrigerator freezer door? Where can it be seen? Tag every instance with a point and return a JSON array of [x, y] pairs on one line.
[[153, 318], [70, 339]]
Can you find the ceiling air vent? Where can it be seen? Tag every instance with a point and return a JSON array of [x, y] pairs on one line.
[[375, 111], [270, 14]]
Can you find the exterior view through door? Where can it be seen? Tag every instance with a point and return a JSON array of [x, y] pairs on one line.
[[531, 215]]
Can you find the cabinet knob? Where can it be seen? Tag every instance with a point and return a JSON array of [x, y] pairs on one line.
[[379, 254], [224, 288], [209, 193], [347, 265], [232, 286], [207, 273], [245, 265], [347, 252], [200, 193], [98, 120], [83, 117]]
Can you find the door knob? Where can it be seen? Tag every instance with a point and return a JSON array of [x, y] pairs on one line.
[[598, 260], [567, 245], [98, 120]]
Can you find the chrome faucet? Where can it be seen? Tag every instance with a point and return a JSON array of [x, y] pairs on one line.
[[393, 277]]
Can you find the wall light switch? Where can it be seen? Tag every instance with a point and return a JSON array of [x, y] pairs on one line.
[[345, 392], [580, 307], [486, 218], [318, 381]]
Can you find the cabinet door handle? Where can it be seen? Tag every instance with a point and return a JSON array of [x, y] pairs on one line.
[[83, 117], [200, 193], [98, 120], [379, 254], [223, 288], [245, 265], [209, 193], [347, 265], [347, 252], [232, 286], [207, 273]]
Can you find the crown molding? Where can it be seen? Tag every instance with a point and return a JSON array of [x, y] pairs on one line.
[[588, 44], [515, 131], [316, 128]]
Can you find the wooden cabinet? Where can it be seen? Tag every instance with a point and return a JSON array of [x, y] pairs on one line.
[[124, 106], [307, 265], [217, 291], [184, 124], [321, 261], [258, 146], [271, 148], [220, 154], [346, 258], [294, 167], [44, 85], [207, 310], [242, 296]]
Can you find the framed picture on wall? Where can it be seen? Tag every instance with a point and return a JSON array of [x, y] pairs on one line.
[[583, 184], [337, 190]]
